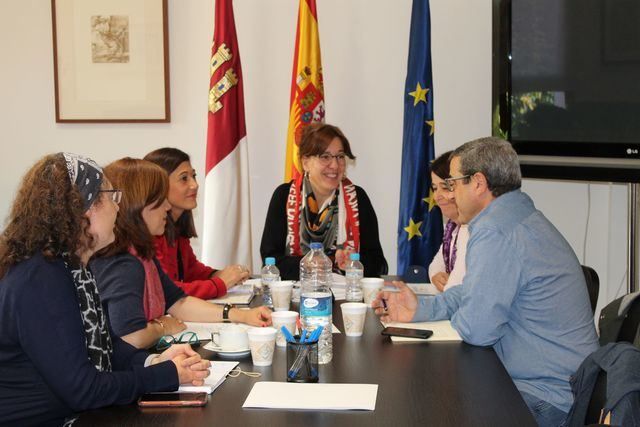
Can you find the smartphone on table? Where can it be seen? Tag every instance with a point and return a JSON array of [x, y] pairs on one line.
[[407, 332], [150, 400]]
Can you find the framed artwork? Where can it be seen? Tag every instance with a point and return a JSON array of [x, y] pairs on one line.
[[111, 60]]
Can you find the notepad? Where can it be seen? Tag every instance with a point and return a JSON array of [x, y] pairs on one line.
[[442, 331], [340, 397], [239, 294], [217, 374]]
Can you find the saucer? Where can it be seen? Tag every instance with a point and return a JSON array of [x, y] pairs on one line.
[[233, 354]]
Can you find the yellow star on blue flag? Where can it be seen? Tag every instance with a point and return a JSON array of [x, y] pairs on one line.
[[413, 229], [420, 94], [430, 200]]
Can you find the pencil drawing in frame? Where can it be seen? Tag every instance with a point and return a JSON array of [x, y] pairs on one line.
[[111, 61]]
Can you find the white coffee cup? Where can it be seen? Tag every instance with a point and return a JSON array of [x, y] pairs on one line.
[[370, 288], [262, 342], [281, 294], [353, 315], [230, 338], [286, 319]]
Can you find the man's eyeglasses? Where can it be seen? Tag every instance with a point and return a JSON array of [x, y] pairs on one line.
[[167, 341], [325, 158], [451, 182], [116, 195]]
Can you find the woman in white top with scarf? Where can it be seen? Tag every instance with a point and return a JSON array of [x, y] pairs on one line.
[[448, 265]]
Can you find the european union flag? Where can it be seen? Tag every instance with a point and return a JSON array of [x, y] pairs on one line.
[[420, 220]]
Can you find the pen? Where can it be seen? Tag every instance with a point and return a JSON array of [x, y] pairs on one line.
[[384, 305]]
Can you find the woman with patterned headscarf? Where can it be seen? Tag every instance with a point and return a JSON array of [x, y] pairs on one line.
[[322, 206], [57, 356]]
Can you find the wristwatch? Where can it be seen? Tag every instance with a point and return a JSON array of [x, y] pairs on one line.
[[225, 313]]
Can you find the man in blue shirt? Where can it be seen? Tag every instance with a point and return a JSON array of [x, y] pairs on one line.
[[523, 293]]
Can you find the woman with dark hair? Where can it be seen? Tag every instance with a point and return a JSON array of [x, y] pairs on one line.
[[57, 355], [322, 206], [173, 249], [135, 290], [448, 266]]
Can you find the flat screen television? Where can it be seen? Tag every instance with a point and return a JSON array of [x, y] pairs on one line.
[[566, 86]]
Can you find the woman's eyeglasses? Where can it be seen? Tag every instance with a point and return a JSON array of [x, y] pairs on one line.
[[116, 195], [167, 341], [325, 158]]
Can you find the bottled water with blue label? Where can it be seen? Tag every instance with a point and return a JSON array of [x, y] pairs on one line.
[[269, 274], [315, 298], [353, 273]]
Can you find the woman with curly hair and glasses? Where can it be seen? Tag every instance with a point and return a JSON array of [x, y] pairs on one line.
[[322, 206], [135, 290], [57, 355], [173, 248]]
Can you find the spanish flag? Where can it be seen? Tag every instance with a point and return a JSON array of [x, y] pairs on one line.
[[307, 90]]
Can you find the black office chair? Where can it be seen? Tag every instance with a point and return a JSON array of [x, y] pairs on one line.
[[628, 331], [416, 274], [593, 286]]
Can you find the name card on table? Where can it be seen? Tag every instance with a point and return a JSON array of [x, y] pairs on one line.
[[334, 397]]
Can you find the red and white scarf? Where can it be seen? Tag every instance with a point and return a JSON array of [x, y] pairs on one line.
[[153, 298], [348, 216]]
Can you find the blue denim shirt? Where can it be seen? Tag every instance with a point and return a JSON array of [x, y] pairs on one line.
[[524, 293]]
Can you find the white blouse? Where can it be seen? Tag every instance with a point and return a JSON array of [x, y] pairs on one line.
[[460, 237]]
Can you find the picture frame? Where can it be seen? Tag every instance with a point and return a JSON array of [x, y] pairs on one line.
[[111, 61]]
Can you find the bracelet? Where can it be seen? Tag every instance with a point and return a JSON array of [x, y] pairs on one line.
[[225, 313], [159, 322]]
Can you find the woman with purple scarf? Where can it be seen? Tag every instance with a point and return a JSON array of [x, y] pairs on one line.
[[448, 267]]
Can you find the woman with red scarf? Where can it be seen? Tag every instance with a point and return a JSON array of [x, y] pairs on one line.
[[322, 206]]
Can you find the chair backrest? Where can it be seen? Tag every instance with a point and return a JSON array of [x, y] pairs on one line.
[[620, 320], [630, 329], [415, 274], [593, 285]]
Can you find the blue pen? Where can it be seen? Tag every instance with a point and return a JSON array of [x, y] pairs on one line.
[[303, 335], [287, 334]]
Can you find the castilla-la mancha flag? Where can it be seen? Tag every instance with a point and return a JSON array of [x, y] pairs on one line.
[[227, 219], [307, 90]]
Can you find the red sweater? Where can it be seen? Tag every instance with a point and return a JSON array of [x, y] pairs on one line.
[[198, 279]]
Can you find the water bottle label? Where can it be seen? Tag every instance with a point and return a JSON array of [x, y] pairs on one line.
[[315, 307]]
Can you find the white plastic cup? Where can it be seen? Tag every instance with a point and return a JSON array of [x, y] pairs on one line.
[[286, 319], [370, 288], [262, 342], [281, 295], [353, 315]]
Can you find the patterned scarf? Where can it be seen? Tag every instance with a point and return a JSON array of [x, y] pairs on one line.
[[153, 299], [335, 224], [449, 253], [96, 330]]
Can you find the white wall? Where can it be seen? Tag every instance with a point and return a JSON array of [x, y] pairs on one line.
[[364, 51]]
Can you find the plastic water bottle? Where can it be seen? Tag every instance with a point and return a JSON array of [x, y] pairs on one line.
[[353, 274], [315, 298], [268, 275]]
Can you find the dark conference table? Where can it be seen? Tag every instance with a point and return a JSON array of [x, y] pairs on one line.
[[431, 383]]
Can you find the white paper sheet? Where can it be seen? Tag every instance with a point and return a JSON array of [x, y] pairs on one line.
[[217, 374], [282, 395], [442, 331]]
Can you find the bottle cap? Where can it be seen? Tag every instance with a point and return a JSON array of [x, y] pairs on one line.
[[354, 256], [315, 245], [270, 261]]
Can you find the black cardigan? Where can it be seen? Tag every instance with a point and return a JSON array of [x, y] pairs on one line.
[[275, 234], [45, 372]]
